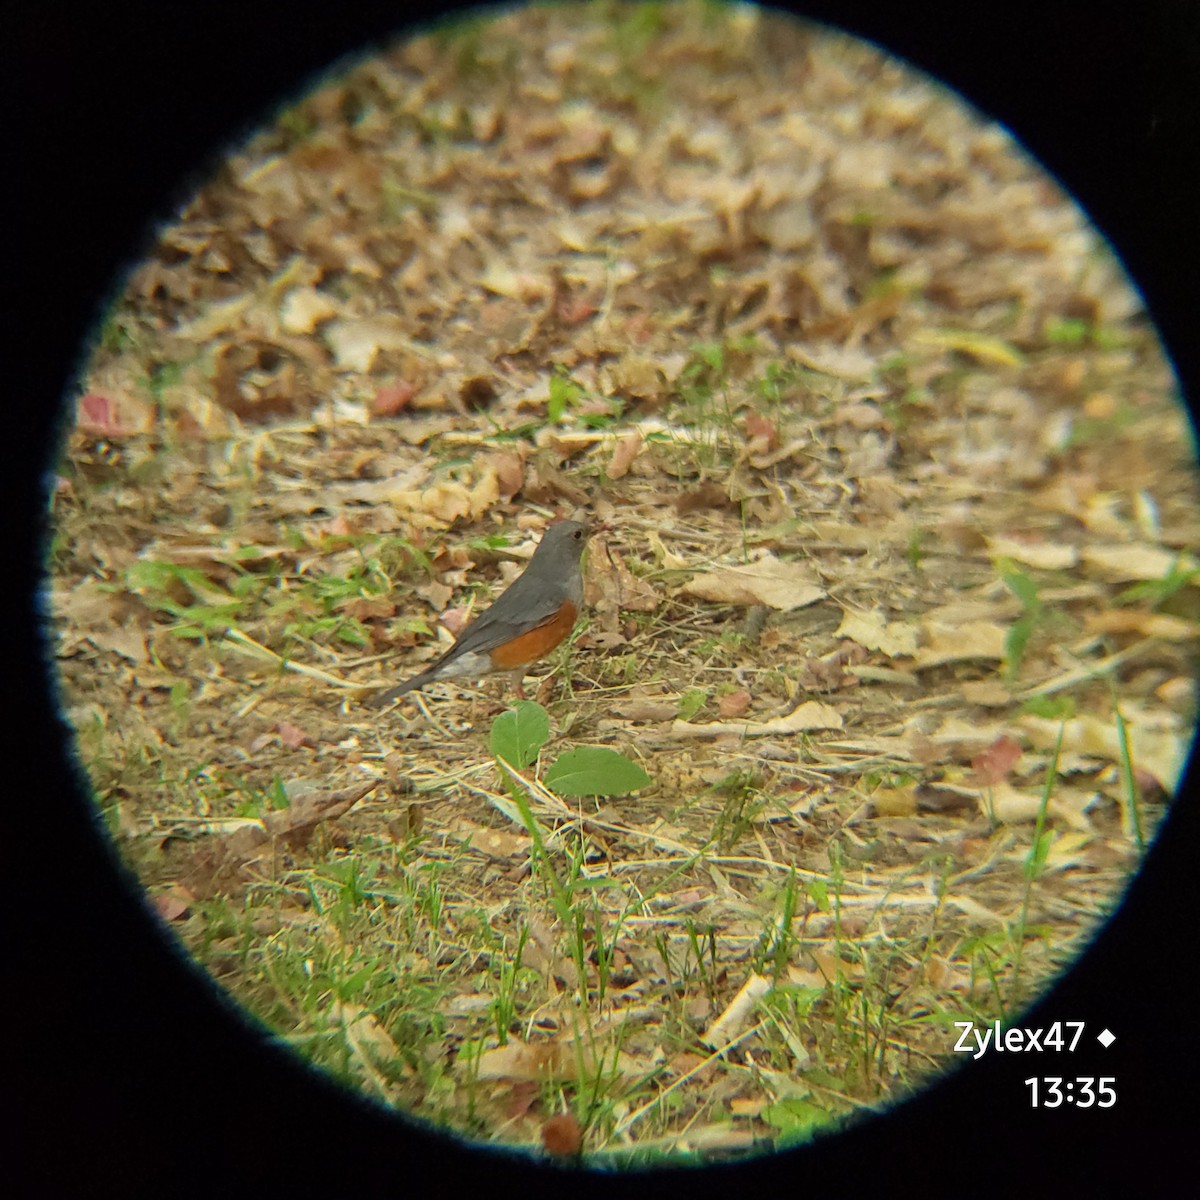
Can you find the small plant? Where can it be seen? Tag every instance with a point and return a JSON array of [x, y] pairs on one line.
[[1066, 331], [199, 606], [1035, 860], [518, 735], [564, 395], [743, 802], [915, 550], [1026, 591], [1158, 591], [777, 943]]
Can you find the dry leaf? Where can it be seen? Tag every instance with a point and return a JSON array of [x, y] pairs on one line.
[[447, 501], [768, 580], [174, 903], [549, 1060], [390, 400], [562, 1136], [709, 494], [893, 638], [495, 843], [304, 308], [1161, 752], [810, 715], [1046, 556], [831, 966], [991, 351], [994, 763], [1135, 561], [355, 344], [894, 802], [624, 452], [959, 643], [734, 704], [611, 588], [113, 417], [293, 737], [128, 643], [1144, 624]]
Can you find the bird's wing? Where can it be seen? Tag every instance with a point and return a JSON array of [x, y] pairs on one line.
[[512, 614]]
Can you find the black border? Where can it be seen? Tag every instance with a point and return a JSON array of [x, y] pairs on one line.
[[126, 1078]]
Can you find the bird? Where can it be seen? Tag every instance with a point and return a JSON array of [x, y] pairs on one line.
[[526, 621]]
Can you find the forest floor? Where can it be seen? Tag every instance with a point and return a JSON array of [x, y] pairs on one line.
[[894, 606]]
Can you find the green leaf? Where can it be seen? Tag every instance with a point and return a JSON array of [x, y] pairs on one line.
[[690, 703], [1066, 331], [564, 393], [1015, 642], [1020, 585], [1052, 708], [796, 1119], [518, 734], [594, 771], [1038, 854]]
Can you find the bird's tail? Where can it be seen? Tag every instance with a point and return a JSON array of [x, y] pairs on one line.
[[394, 693]]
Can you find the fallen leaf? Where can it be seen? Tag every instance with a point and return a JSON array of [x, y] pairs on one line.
[[1135, 561], [174, 903], [548, 1060], [1015, 806], [624, 452], [768, 580], [128, 643], [894, 802], [734, 704], [562, 1136], [495, 843], [611, 588], [225, 316], [355, 343], [810, 715], [109, 417], [958, 643], [1161, 752], [365, 1035], [830, 965], [367, 608], [893, 638], [992, 351], [293, 737], [709, 494], [1046, 556], [449, 500], [1144, 624], [436, 594], [390, 400], [761, 433], [509, 466], [994, 763], [304, 308]]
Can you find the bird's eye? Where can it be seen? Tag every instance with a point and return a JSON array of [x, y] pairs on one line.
[[578, 534]]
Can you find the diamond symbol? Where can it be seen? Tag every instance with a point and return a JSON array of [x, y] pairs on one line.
[[1105, 1038]]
